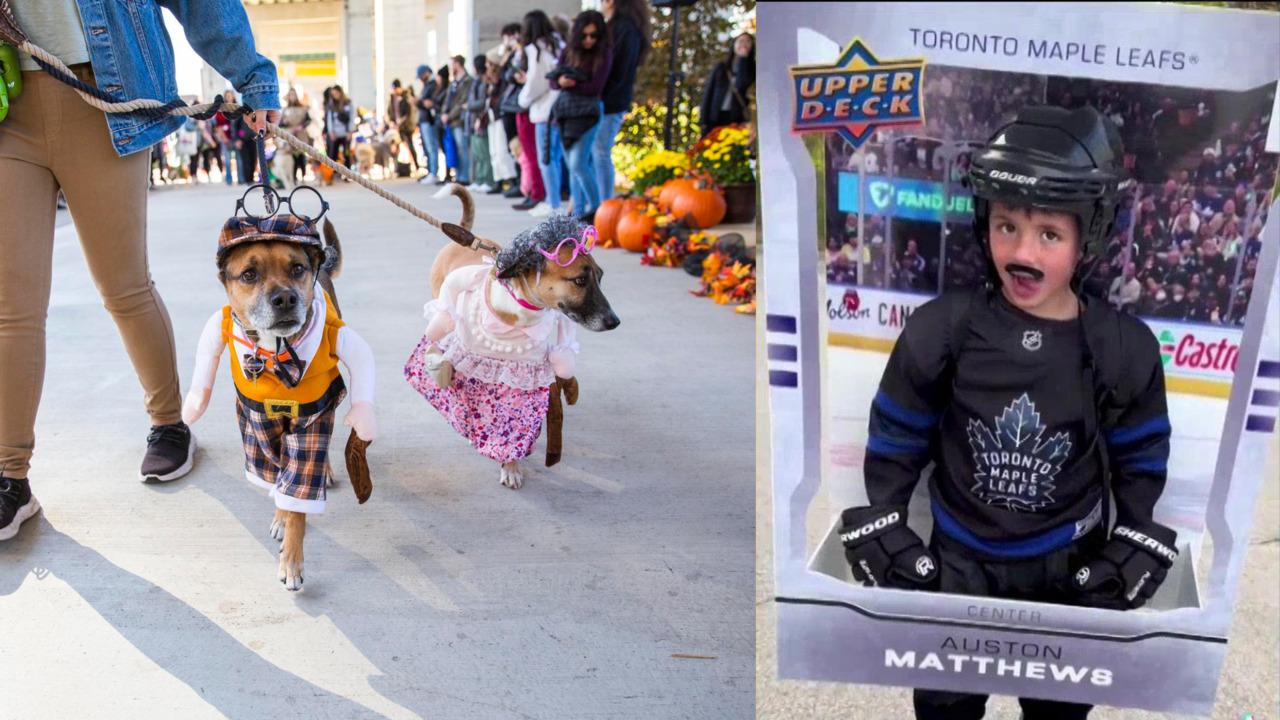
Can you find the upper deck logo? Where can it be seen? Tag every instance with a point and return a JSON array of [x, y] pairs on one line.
[[857, 94]]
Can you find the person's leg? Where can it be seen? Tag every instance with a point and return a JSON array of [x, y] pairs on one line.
[[430, 148], [586, 194], [463, 146], [228, 153], [480, 159], [107, 195], [248, 163], [407, 137], [602, 155], [548, 149], [527, 132], [30, 194], [1033, 709], [958, 574]]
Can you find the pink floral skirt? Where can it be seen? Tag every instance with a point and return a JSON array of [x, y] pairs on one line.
[[502, 422]]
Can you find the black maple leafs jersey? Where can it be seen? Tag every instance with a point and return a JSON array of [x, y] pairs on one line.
[[1006, 423]]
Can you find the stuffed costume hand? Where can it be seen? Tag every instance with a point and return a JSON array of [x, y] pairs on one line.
[[882, 551], [1129, 569], [361, 419], [196, 403]]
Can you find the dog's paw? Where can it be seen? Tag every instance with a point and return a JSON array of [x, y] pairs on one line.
[[290, 575], [277, 526], [511, 478]]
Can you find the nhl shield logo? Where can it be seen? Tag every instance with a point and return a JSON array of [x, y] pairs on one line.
[[1031, 340], [1082, 577]]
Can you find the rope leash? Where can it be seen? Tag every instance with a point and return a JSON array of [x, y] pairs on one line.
[[154, 108]]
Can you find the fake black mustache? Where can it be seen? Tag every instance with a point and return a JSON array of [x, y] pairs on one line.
[[1035, 274]]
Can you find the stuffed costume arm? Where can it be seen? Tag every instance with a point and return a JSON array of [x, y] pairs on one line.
[[563, 353], [356, 354], [208, 354], [440, 312]]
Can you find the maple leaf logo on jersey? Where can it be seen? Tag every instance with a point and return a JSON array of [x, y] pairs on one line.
[[1014, 466]]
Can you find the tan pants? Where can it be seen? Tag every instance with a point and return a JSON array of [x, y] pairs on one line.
[[53, 140]]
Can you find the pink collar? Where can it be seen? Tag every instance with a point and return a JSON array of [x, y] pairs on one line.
[[519, 300]]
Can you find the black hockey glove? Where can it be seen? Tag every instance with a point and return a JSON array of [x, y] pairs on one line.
[[1129, 569], [883, 551]]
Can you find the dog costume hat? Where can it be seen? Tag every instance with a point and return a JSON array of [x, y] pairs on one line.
[[286, 396], [503, 375]]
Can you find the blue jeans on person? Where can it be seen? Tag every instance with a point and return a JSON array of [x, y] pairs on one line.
[[582, 179], [548, 142], [602, 154], [463, 144], [228, 154], [430, 147]]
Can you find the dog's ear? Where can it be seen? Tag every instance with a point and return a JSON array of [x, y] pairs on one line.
[[317, 258], [509, 272]]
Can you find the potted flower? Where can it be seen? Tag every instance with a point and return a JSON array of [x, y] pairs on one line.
[[725, 155], [656, 168]]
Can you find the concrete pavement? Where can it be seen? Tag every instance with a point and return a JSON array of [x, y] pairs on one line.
[[446, 595]]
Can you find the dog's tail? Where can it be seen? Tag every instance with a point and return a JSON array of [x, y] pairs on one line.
[[468, 205], [333, 249]]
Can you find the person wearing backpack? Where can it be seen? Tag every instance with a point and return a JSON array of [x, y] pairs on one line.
[[1036, 403]]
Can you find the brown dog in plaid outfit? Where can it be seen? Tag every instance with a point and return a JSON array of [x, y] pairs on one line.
[[288, 337]]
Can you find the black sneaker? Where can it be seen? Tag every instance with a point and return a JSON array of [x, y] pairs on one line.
[[170, 451], [16, 505], [526, 205], [513, 192], [495, 190]]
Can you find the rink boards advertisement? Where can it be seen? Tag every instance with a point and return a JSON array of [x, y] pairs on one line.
[[1198, 358], [882, 105]]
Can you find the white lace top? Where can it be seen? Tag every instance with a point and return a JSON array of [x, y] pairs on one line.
[[484, 347]]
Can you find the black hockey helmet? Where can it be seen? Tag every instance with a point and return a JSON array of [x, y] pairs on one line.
[[1056, 159]]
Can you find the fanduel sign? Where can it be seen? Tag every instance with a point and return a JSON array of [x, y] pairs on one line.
[[903, 198]]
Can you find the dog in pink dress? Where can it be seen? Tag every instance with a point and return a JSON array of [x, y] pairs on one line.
[[500, 334]]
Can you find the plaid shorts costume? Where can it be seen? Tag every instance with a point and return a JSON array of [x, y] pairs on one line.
[[286, 456]]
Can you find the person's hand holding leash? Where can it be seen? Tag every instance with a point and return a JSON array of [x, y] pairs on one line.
[[1129, 569], [258, 120], [361, 419], [883, 552]]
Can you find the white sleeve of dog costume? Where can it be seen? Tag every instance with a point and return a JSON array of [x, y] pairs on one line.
[[356, 354], [563, 352], [208, 353]]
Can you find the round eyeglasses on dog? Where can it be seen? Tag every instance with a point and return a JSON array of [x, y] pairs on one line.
[[582, 246], [262, 201]]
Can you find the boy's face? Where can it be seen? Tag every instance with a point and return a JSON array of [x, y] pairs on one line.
[[1035, 253]]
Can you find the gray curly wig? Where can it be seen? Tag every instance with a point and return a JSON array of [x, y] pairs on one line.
[[522, 254]]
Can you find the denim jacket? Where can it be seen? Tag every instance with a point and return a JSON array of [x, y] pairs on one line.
[[132, 58]]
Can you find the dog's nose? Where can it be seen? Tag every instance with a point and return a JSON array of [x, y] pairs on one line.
[[612, 321], [284, 299]]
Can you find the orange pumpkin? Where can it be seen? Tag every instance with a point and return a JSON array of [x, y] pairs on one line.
[[607, 217], [635, 230], [671, 190], [706, 205]]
